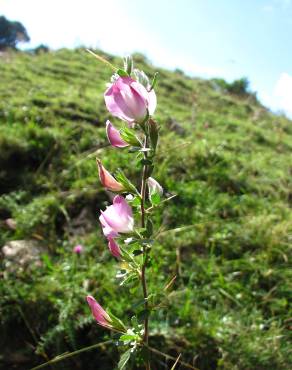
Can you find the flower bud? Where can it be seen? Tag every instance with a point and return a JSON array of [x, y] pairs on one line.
[[107, 180], [100, 315], [114, 136], [154, 187], [114, 248]]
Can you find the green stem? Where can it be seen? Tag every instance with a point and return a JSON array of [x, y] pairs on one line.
[[71, 354]]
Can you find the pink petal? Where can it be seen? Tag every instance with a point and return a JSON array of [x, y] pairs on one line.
[[107, 180], [119, 216], [152, 102], [127, 99], [78, 249], [106, 229], [114, 248], [98, 312], [154, 186], [114, 136]]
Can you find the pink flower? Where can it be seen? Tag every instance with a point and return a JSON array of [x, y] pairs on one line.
[[107, 180], [98, 312], [114, 248], [78, 249], [117, 218], [114, 136], [129, 100]]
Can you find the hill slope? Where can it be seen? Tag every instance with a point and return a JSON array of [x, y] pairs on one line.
[[228, 159]]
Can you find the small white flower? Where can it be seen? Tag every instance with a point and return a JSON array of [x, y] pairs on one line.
[[129, 197]]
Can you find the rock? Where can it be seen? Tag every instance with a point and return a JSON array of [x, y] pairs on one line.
[[10, 223], [19, 255]]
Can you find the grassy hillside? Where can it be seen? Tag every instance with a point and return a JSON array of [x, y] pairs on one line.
[[225, 155]]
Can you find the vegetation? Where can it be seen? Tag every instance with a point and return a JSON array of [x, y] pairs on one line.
[[227, 232], [11, 33]]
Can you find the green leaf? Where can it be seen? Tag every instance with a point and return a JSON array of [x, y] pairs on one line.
[[142, 78], [137, 252], [138, 303], [122, 73], [154, 81], [136, 202], [116, 322], [155, 199], [153, 131], [128, 64], [128, 337], [146, 162], [135, 149], [135, 322], [149, 228], [129, 137], [142, 315], [46, 260], [124, 359], [121, 177]]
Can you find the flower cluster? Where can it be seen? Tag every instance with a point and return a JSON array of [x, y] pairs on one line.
[[131, 98]]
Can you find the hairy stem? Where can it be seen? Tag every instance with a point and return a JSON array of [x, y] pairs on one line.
[[144, 265]]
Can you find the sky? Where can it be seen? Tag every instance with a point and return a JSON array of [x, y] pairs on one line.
[[207, 38]]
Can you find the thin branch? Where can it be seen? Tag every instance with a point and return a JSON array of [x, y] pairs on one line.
[[71, 354], [185, 364], [101, 59], [163, 201]]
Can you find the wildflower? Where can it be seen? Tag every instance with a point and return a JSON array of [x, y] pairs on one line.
[[114, 248], [128, 100], [100, 315], [114, 136], [107, 180], [117, 218], [154, 187], [78, 249]]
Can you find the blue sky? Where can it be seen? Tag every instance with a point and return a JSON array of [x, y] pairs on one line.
[[208, 38]]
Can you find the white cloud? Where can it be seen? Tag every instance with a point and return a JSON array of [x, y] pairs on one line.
[[283, 92]]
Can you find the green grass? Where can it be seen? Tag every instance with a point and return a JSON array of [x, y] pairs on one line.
[[230, 165]]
